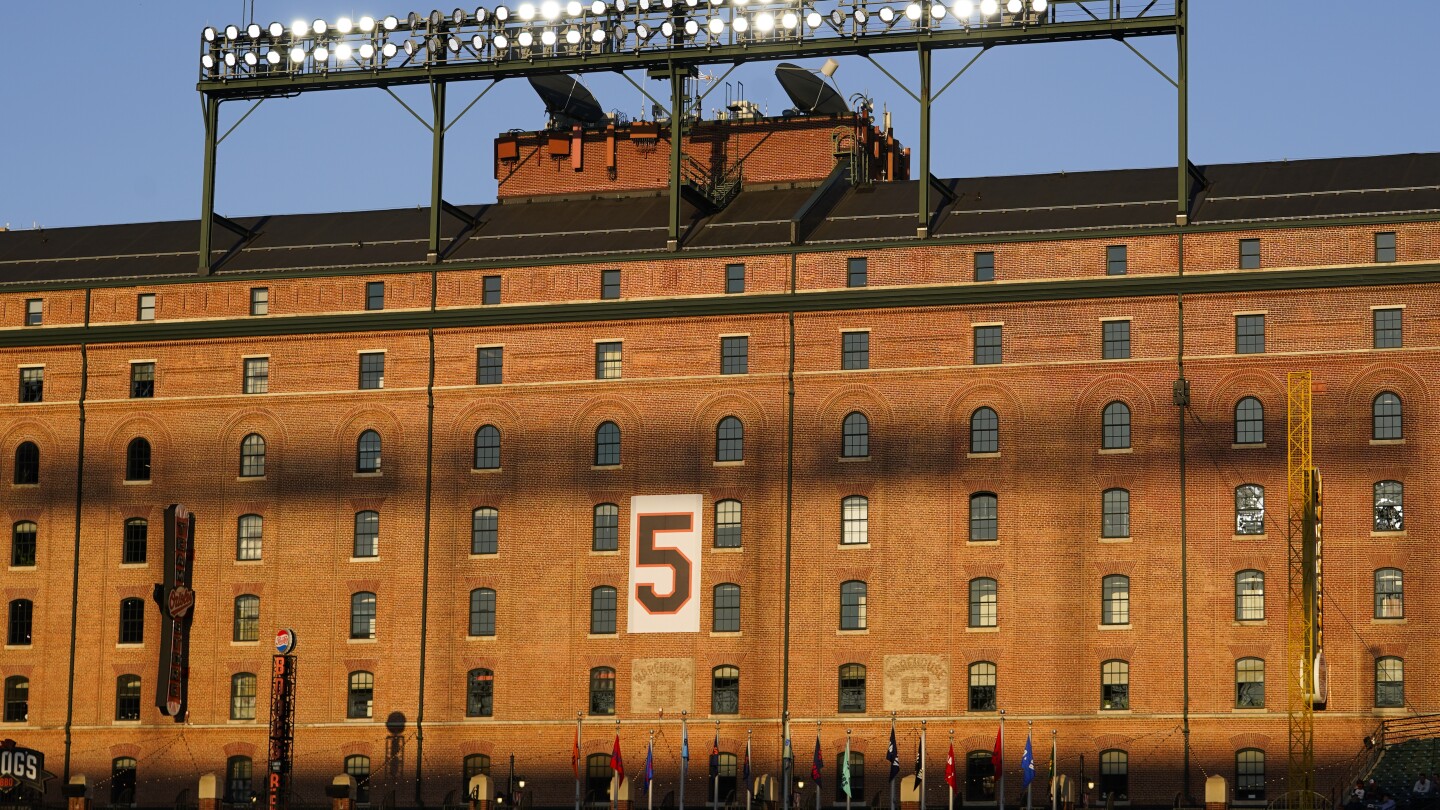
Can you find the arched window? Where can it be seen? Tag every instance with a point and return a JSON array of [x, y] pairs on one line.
[[487, 448], [127, 698], [122, 781], [984, 600], [1387, 415], [602, 691], [23, 544], [474, 765], [367, 452], [727, 608], [979, 777], [984, 431], [1115, 513], [853, 595], [485, 530], [1389, 682], [725, 690], [20, 616], [727, 524], [602, 610], [855, 520], [1114, 775], [1250, 775], [362, 615], [482, 612], [1389, 506], [852, 688], [1389, 594], [598, 777], [982, 686], [605, 534], [1250, 509], [1249, 421], [361, 695], [1115, 685], [137, 460], [17, 699], [1250, 683], [132, 621], [358, 766], [249, 537], [136, 541], [367, 534], [27, 463], [247, 618], [242, 696], [730, 440], [1115, 599], [1249, 596], [239, 775], [480, 695], [855, 436], [252, 456], [1115, 426], [607, 445], [984, 514]]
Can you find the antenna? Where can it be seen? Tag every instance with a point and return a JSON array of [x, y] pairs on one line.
[[567, 102], [808, 92]]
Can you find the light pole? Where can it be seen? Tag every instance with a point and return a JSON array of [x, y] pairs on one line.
[[510, 781]]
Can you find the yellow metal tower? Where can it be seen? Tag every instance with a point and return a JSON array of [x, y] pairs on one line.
[[1304, 661]]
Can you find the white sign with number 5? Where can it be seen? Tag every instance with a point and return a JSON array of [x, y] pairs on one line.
[[664, 594]]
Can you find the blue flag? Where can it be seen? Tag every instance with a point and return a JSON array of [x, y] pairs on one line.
[[684, 744], [893, 754], [818, 765], [1027, 762], [649, 768], [749, 783]]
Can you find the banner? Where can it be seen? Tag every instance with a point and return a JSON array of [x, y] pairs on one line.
[[664, 593], [177, 611]]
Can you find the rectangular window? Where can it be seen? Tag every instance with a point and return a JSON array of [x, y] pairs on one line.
[[854, 350], [34, 312], [857, 272], [145, 307], [32, 385], [1249, 254], [1249, 334], [142, 380], [491, 295], [374, 295], [985, 266], [489, 365], [259, 300], [735, 355], [1385, 246], [607, 360], [1115, 342], [372, 370], [734, 278], [987, 345], [1389, 328], [609, 284], [1116, 260], [257, 375]]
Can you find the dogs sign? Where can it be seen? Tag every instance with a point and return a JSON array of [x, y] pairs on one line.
[[22, 768]]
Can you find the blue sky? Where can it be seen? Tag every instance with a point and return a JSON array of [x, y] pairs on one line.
[[111, 132]]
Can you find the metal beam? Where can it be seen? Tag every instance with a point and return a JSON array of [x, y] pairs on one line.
[[437, 169], [1182, 72], [207, 183], [677, 134], [922, 223]]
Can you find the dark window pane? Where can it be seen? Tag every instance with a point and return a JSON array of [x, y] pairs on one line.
[[857, 272], [730, 440], [22, 544], [1116, 260], [984, 513], [735, 355], [1389, 328], [32, 385], [602, 610], [360, 703], [362, 615], [1250, 683], [142, 380], [482, 612], [252, 456], [489, 365], [606, 535], [852, 688], [132, 621], [1115, 340], [1249, 421], [136, 542], [602, 691], [491, 294], [607, 360], [375, 295], [855, 438], [367, 534], [1115, 595], [853, 598], [734, 278], [27, 463], [479, 702], [855, 350], [485, 531], [1115, 426], [137, 460], [985, 266], [1115, 685], [127, 697], [982, 687], [609, 283], [1249, 334], [1389, 682], [725, 690], [367, 452], [727, 608], [20, 616], [1249, 254], [1385, 246], [372, 370], [1387, 415], [247, 618], [257, 375], [607, 444], [242, 696], [487, 448], [984, 602], [984, 431], [987, 345]]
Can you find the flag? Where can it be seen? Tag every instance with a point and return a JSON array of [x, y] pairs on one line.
[[845, 770], [893, 754], [950, 767], [1027, 763], [920, 761], [996, 755], [649, 767], [715, 756], [617, 763], [749, 785], [575, 755], [684, 745], [818, 764]]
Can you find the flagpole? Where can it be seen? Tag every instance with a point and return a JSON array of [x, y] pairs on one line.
[[649, 763], [920, 774], [894, 763], [614, 774], [684, 757], [817, 781], [846, 771], [716, 748], [1000, 795], [578, 715], [951, 804], [787, 761], [1054, 769], [1028, 784], [748, 790]]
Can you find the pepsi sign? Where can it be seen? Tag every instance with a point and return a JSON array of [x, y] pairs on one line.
[[284, 641]]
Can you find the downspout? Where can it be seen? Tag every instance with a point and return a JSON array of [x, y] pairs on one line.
[[425, 562], [1182, 399], [75, 570]]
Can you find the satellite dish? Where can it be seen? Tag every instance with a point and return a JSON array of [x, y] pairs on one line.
[[808, 92], [567, 101]]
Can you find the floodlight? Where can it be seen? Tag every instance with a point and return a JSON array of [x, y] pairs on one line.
[[273, 57], [208, 62], [692, 27], [414, 21], [597, 7], [208, 34], [692, 3], [988, 8], [551, 9], [597, 34], [390, 23], [1039, 6], [322, 54], [319, 27], [667, 3], [409, 47], [276, 30], [342, 52], [572, 36], [526, 39], [912, 12], [764, 22], [644, 5], [344, 25], [436, 20], [788, 21], [574, 9], [547, 37], [251, 59], [297, 54], [232, 33], [861, 16], [458, 17], [388, 50], [716, 26], [477, 42], [299, 29], [367, 50], [937, 11], [480, 14], [501, 42], [367, 24], [502, 13], [620, 33], [741, 25], [667, 29], [620, 6], [963, 9], [1014, 6], [813, 19], [887, 15], [527, 11], [453, 44], [253, 30]]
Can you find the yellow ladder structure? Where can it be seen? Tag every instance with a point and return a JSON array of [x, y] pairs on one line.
[[1302, 605]]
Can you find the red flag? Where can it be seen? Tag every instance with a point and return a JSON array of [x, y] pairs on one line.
[[950, 767], [996, 756], [616, 763], [575, 755]]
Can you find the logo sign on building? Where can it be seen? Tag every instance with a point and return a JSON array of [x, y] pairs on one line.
[[664, 594], [22, 768], [177, 609], [285, 641]]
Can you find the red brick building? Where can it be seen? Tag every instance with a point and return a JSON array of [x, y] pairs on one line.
[[940, 478]]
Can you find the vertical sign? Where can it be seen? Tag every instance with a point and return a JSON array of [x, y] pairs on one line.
[[282, 722], [177, 608], [664, 594]]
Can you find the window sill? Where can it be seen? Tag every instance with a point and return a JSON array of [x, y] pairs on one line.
[[241, 721], [124, 722], [255, 643], [602, 635], [130, 483], [1240, 538], [1250, 710], [1387, 441], [361, 640], [995, 629], [486, 470], [130, 645], [1115, 451], [23, 568], [739, 463], [1250, 623], [864, 632], [852, 545], [725, 633], [851, 459], [249, 478], [593, 553], [1391, 535], [490, 555], [982, 455], [375, 474], [1108, 627], [727, 549], [1108, 712], [1249, 446], [24, 486], [19, 646], [1116, 539], [480, 638], [1398, 620], [1391, 711], [358, 719], [482, 719], [375, 558], [982, 543], [124, 566], [599, 467], [249, 562]]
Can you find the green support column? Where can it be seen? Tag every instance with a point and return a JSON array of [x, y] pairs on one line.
[[1182, 213], [677, 135], [437, 169], [207, 188], [922, 225]]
